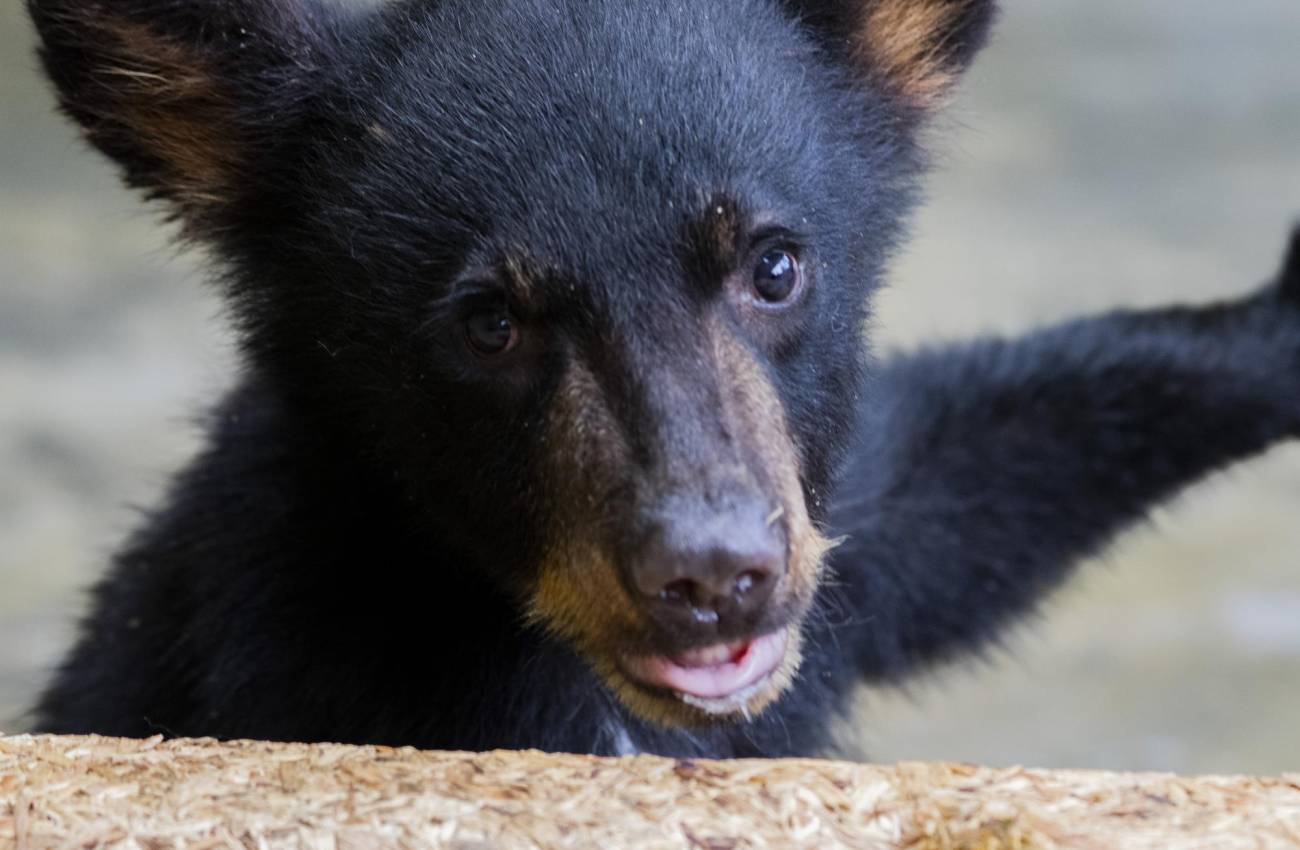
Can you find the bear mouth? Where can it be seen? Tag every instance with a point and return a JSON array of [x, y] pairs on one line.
[[718, 679]]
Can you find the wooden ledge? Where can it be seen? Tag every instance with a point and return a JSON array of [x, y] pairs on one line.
[[158, 795]]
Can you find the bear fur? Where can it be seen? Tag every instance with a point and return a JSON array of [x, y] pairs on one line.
[[394, 537]]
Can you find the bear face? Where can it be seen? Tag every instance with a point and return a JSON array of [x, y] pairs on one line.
[[631, 383], [588, 279]]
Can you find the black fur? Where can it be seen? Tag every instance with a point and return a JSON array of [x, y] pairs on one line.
[[346, 560]]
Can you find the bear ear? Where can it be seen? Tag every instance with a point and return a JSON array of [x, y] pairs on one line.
[[180, 93], [913, 50]]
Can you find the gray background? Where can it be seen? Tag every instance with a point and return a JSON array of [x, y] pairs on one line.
[[1104, 152]]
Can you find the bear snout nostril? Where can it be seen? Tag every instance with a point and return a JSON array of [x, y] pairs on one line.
[[697, 569], [679, 592]]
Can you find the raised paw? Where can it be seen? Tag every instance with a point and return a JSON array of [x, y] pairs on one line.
[[1288, 288], [1289, 277]]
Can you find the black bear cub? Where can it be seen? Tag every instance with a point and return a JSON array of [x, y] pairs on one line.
[[557, 425]]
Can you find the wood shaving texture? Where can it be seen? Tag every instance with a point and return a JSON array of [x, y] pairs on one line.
[[157, 795]]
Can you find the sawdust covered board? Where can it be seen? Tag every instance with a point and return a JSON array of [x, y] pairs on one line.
[[156, 795]]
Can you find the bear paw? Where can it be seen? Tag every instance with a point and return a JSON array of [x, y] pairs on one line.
[[1289, 277]]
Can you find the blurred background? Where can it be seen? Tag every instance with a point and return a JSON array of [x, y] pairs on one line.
[[1102, 153]]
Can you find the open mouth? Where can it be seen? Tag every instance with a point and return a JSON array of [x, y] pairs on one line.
[[718, 678]]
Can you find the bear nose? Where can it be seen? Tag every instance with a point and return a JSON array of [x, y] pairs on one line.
[[702, 569]]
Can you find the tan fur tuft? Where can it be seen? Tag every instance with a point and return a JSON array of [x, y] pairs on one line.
[[578, 594], [903, 41], [162, 98], [751, 406]]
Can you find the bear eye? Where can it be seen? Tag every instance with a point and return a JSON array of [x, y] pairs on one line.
[[491, 333], [777, 277]]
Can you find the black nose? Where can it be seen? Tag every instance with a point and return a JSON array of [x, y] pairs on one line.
[[700, 567]]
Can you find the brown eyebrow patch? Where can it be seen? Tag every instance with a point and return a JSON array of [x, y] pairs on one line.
[[714, 235], [157, 105], [724, 224], [906, 41], [523, 281]]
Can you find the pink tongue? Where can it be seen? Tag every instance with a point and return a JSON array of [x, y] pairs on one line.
[[714, 672]]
